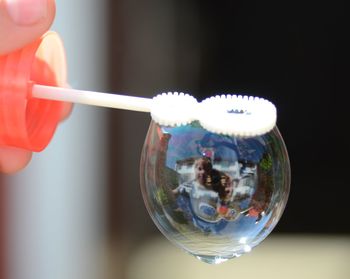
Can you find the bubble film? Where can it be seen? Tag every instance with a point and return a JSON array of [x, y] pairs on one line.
[[215, 196]]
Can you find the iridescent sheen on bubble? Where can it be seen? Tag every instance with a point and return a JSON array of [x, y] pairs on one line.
[[215, 196]]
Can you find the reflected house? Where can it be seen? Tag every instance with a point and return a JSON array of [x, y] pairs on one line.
[[245, 174], [155, 149], [262, 194], [247, 180], [159, 176], [163, 143], [164, 176], [185, 168], [230, 168], [157, 170], [245, 186]]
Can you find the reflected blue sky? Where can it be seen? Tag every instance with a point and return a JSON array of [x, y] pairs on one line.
[[191, 141]]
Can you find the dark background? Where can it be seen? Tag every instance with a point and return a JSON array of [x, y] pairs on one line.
[[292, 53]]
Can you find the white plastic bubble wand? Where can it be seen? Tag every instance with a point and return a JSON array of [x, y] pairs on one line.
[[233, 115]]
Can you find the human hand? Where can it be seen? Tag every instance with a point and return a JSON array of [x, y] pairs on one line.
[[21, 22]]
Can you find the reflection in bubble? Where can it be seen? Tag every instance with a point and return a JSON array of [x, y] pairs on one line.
[[215, 196]]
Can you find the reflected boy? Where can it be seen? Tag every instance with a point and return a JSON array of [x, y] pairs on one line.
[[203, 198], [202, 171]]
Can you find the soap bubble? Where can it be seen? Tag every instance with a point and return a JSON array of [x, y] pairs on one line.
[[213, 195]]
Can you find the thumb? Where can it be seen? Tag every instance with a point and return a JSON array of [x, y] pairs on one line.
[[22, 21]]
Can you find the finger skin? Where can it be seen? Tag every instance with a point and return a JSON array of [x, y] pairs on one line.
[[13, 159], [13, 36]]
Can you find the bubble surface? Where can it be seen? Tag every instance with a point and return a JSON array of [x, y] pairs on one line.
[[215, 196]]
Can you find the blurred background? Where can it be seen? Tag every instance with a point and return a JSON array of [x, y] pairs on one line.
[[77, 210]]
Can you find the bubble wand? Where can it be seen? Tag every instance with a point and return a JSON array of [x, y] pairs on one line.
[[226, 114]]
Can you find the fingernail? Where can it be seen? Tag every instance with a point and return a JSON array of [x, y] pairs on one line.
[[26, 12]]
